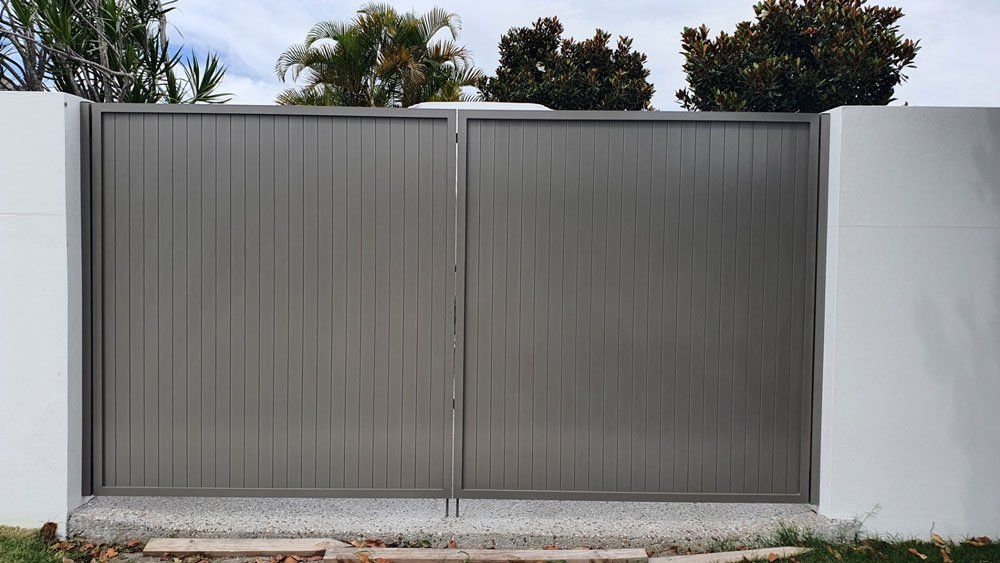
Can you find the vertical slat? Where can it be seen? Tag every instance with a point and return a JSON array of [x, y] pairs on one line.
[[209, 250], [165, 306], [410, 401], [150, 387], [242, 378], [224, 396], [445, 199], [178, 303], [116, 329], [136, 376], [421, 267], [729, 235], [253, 338], [340, 267], [529, 385], [323, 242], [654, 342], [195, 373], [713, 307], [310, 301], [354, 288], [743, 406], [373, 187], [510, 394], [783, 315], [389, 323], [643, 378], [682, 403], [285, 378], [562, 441], [674, 210], [294, 275], [270, 369]]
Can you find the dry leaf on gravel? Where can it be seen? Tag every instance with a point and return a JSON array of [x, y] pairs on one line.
[[914, 551], [453, 544], [772, 557]]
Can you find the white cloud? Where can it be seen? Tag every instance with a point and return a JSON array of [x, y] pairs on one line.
[[957, 65]]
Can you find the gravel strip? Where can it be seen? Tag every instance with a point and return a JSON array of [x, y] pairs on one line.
[[484, 523]]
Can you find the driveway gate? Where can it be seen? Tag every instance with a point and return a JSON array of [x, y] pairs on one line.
[[297, 301], [638, 305], [271, 300]]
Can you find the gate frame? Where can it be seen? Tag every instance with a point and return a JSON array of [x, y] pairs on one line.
[[93, 296], [457, 120], [815, 251]]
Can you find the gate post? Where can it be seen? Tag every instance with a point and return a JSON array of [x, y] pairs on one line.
[[41, 303]]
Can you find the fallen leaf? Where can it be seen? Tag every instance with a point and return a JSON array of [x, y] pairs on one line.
[[549, 547], [914, 551], [938, 540], [453, 544], [363, 557], [133, 544], [772, 557], [290, 559], [946, 555], [981, 541], [834, 553], [357, 543], [111, 553]]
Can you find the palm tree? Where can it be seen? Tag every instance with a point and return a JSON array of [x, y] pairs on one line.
[[382, 58], [102, 50]]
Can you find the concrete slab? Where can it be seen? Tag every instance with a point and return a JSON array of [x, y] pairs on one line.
[[503, 524]]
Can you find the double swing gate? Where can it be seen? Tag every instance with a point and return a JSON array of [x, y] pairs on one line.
[[364, 302]]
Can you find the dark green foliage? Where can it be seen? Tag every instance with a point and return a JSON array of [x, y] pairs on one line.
[[798, 56], [537, 65], [101, 50], [381, 58]]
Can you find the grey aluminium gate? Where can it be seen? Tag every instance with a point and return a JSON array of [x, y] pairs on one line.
[[270, 300], [636, 305]]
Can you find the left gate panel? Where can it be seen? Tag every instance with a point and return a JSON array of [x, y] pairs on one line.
[[271, 298]]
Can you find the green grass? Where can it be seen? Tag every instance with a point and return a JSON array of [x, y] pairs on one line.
[[885, 551], [24, 546]]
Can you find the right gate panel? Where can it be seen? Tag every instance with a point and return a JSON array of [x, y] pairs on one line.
[[638, 306]]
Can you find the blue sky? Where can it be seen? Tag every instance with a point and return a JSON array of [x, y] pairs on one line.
[[958, 65]]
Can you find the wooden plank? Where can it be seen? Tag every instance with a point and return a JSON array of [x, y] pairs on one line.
[[239, 547], [352, 554], [733, 556]]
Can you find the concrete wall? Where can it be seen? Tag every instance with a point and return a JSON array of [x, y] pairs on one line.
[[911, 394], [40, 308]]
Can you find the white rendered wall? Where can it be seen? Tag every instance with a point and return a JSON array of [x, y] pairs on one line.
[[40, 308], [911, 367]]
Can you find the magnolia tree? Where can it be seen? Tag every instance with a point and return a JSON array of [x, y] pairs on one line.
[[537, 65], [798, 56]]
